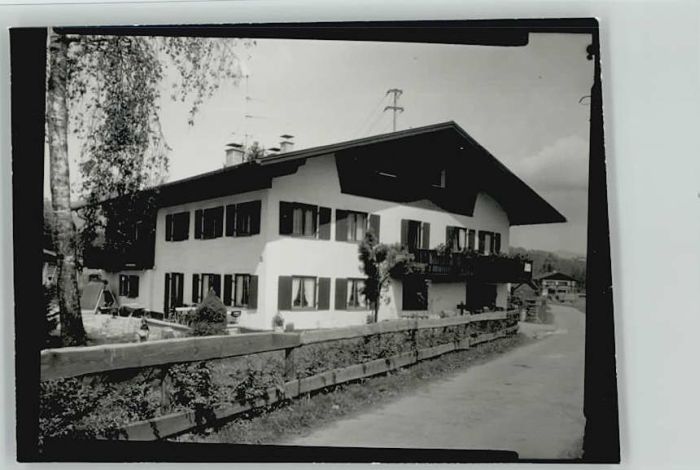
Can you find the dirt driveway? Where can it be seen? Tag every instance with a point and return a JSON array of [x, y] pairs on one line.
[[529, 400]]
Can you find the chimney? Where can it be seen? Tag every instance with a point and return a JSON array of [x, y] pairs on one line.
[[273, 151], [234, 154], [287, 144]]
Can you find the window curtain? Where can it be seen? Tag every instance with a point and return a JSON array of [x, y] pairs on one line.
[[308, 222], [298, 221], [242, 288], [304, 292]]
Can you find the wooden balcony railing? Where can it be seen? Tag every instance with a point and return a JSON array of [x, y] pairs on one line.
[[485, 268]]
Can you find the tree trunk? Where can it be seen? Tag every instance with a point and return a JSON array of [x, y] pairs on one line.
[[72, 329]]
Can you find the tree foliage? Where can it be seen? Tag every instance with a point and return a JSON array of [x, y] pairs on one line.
[[545, 262], [115, 86], [254, 152], [107, 90], [380, 262]]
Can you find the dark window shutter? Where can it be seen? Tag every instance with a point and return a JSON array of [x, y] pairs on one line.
[[231, 220], [185, 226], [341, 293], [324, 223], [195, 288], [166, 300], [122, 287], [426, 235], [255, 218], [168, 227], [450, 236], [217, 284], [497, 243], [404, 232], [179, 291], [341, 225], [285, 218], [228, 281], [253, 292], [218, 222], [133, 286], [482, 241], [284, 293], [324, 293], [471, 241], [374, 225], [198, 223]]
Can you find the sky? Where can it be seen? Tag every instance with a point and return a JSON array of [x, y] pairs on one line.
[[523, 104]]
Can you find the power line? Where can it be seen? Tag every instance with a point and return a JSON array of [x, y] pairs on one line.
[[365, 121], [374, 123]]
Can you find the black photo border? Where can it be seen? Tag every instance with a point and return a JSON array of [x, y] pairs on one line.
[[28, 73]]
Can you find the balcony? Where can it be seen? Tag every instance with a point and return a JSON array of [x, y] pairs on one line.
[[440, 265], [137, 256]]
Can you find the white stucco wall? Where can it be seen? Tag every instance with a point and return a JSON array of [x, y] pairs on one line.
[[270, 255], [223, 255], [317, 183], [145, 296]]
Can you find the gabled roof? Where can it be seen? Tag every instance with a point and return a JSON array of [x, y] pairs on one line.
[[555, 276], [475, 170]]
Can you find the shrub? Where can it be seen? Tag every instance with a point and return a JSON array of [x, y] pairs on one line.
[[209, 318]]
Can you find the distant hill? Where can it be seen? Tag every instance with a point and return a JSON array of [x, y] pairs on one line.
[[545, 261]]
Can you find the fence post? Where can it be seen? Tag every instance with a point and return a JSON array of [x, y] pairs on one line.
[[290, 369], [414, 339]]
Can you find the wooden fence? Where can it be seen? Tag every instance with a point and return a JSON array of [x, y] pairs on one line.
[[78, 361]]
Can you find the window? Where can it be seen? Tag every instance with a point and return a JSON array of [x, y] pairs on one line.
[[415, 234], [174, 283], [305, 220], [243, 219], [353, 225], [202, 283], [241, 290], [414, 293], [177, 226], [128, 286], [489, 242], [355, 295], [303, 292], [356, 226], [460, 238], [209, 223], [438, 180]]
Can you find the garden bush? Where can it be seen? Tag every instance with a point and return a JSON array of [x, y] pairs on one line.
[[209, 318]]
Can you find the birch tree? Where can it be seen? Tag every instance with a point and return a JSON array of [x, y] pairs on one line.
[[106, 90]]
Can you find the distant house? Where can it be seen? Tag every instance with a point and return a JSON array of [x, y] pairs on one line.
[[280, 234], [525, 291], [557, 283]]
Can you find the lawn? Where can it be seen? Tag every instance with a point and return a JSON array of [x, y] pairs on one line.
[[305, 414]]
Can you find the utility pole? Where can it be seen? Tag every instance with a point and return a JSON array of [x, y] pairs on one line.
[[395, 108]]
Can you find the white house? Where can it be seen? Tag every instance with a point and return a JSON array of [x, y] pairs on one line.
[[280, 234], [557, 283]]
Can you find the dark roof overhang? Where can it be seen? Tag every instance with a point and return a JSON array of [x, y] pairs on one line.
[[412, 153]]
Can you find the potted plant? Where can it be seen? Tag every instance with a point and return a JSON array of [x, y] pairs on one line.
[[278, 323]]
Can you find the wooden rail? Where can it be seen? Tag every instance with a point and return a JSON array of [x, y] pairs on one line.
[[76, 361], [71, 362]]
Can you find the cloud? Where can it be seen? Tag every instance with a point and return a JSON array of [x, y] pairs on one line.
[[562, 165]]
